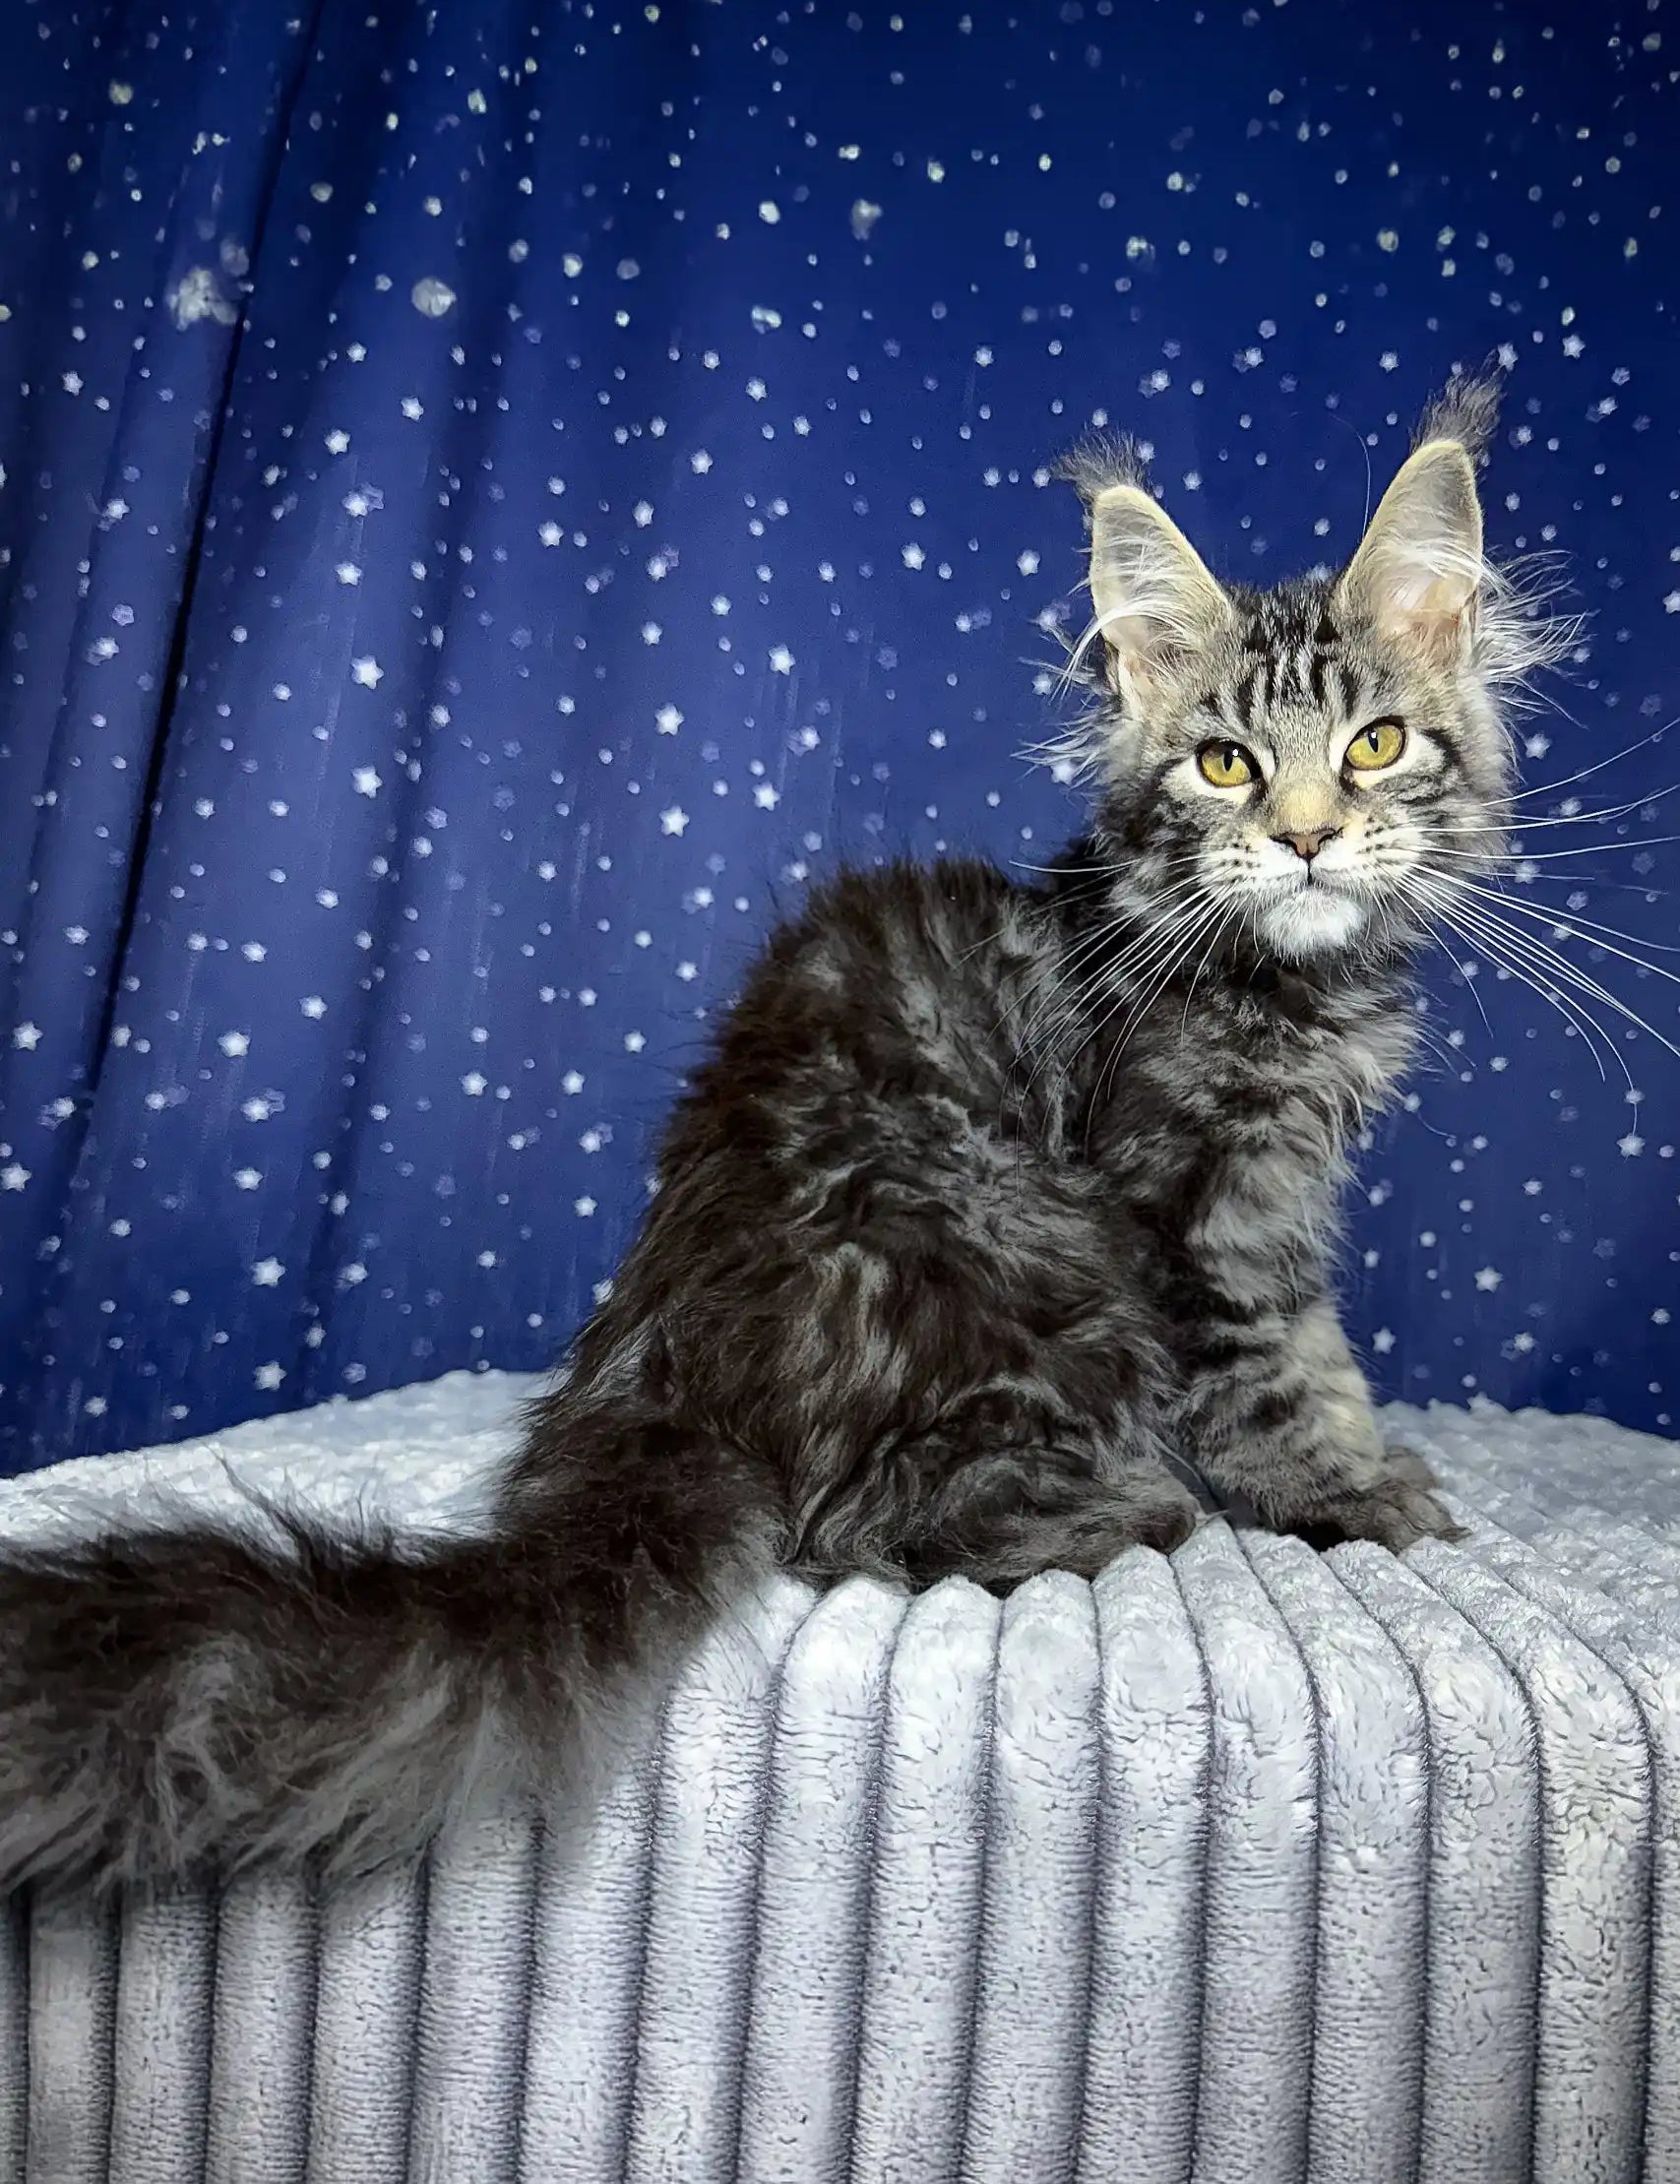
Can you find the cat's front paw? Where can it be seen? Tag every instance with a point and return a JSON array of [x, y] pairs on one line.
[[1396, 1511], [1408, 1463]]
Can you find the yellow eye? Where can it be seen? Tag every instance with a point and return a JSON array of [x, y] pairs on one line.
[[1377, 746], [1225, 764]]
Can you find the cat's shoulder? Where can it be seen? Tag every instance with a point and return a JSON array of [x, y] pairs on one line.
[[905, 887], [871, 943], [862, 978], [936, 907]]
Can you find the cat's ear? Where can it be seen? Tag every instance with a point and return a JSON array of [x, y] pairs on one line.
[[1155, 600], [1419, 571]]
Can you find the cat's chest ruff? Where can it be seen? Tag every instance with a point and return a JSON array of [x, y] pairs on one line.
[[1239, 1139], [1257, 1064], [1245, 1083]]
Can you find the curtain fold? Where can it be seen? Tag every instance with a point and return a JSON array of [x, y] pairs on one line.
[[497, 500]]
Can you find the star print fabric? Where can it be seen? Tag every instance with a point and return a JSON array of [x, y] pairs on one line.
[[496, 499]]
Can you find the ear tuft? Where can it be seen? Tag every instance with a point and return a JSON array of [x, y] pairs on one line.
[[1466, 410], [1101, 459]]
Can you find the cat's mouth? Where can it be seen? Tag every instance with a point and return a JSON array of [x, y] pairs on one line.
[[1312, 915], [1306, 909]]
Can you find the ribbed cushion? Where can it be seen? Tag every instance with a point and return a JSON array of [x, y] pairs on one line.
[[1249, 1867]]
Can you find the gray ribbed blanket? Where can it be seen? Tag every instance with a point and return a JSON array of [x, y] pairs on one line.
[[1248, 1867]]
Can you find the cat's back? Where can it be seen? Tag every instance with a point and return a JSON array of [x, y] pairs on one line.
[[906, 981]]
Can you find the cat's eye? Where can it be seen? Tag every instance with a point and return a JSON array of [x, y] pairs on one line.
[[1225, 764], [1377, 746]]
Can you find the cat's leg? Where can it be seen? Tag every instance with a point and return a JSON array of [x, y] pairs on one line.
[[997, 1489], [1407, 1463], [1278, 1410], [1006, 1514]]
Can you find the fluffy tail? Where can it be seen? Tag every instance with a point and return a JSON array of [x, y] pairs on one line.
[[194, 1700]]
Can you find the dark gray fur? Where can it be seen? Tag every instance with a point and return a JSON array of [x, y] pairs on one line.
[[993, 1199]]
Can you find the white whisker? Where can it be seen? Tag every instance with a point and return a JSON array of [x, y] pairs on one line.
[[1571, 1011], [1563, 926], [1549, 788], [1478, 919]]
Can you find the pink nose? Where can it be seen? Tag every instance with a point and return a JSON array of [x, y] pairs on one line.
[[1308, 845]]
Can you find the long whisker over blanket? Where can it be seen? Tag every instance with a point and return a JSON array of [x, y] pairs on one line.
[[1250, 1867]]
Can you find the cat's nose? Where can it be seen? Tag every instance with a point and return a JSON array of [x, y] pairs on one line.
[[1308, 845]]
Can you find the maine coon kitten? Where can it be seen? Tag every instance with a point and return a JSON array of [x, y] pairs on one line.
[[994, 1202]]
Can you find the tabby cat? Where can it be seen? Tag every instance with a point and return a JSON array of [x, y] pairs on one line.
[[999, 1214]]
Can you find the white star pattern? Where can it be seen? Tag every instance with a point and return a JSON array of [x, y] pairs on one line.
[[465, 819]]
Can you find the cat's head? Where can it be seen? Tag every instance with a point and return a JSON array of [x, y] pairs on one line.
[[1304, 770]]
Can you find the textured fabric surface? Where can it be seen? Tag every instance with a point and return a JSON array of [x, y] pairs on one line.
[[498, 496], [1251, 1867]]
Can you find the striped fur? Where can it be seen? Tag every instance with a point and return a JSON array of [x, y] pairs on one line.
[[994, 1203]]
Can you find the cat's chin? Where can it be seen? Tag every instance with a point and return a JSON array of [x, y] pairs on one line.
[[1311, 922]]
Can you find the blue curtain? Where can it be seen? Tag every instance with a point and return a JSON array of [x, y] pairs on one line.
[[496, 497]]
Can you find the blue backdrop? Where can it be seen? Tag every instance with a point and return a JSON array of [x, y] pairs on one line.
[[497, 496]]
